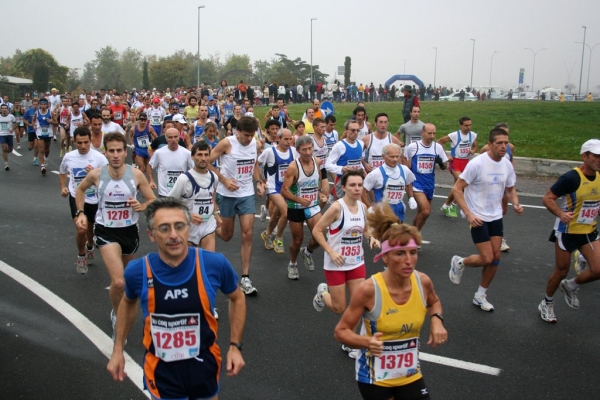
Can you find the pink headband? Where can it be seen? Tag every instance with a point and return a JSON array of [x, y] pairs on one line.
[[386, 248]]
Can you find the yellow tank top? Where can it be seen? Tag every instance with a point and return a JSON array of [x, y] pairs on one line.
[[584, 203], [400, 325]]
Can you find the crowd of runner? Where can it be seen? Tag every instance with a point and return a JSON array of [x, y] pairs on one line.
[[198, 164]]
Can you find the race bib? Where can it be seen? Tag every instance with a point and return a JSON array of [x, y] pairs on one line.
[[228, 112], [77, 123], [4, 126], [376, 161], [172, 178], [322, 158], [79, 175], [354, 164], [63, 119], [155, 120], [44, 132], [425, 164], [351, 248], [589, 212], [310, 193], [142, 141], [118, 115], [175, 337], [394, 193], [400, 358], [244, 169], [414, 139], [281, 172], [464, 150], [204, 207], [116, 214]]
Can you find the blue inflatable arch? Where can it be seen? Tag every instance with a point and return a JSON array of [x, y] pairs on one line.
[[395, 78]]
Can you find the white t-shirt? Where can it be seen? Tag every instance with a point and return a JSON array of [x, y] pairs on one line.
[[487, 179], [170, 165], [74, 164], [112, 127], [54, 100], [7, 123]]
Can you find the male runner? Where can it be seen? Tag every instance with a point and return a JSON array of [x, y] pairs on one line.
[[156, 115], [345, 155], [43, 122], [389, 182], [182, 359], [373, 143], [575, 229], [75, 119], [76, 165], [276, 161], [170, 162], [235, 196], [7, 127], [410, 131], [463, 144], [478, 192], [118, 112], [301, 190], [109, 126], [30, 124], [115, 228], [321, 152], [191, 112], [198, 126], [197, 190], [421, 158]]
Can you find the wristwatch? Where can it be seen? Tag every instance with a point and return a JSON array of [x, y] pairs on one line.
[[78, 212], [437, 315], [238, 345]]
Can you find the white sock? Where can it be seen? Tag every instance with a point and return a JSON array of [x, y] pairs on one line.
[[306, 252], [571, 284], [481, 291]]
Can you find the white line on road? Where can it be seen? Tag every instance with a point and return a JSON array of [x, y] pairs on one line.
[[16, 153], [451, 362], [524, 205], [85, 326], [55, 172]]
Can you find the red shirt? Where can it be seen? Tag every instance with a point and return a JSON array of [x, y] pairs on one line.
[[118, 113]]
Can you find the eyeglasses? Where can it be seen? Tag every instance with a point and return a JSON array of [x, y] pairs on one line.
[[166, 228]]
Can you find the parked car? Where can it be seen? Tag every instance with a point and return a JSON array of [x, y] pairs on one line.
[[456, 97]]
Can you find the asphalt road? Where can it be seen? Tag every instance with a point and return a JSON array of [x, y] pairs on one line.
[[289, 348]]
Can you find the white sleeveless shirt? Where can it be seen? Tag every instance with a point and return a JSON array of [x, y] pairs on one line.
[[345, 237]]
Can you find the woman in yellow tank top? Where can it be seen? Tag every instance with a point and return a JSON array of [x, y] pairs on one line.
[[393, 305]]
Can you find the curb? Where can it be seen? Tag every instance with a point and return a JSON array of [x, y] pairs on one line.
[[543, 167]]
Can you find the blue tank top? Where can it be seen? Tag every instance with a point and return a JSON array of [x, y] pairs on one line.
[[351, 156], [330, 140], [279, 168], [141, 139], [44, 119], [198, 131], [395, 189], [214, 115], [423, 166]]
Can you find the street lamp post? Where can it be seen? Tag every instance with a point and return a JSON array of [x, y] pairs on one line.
[[587, 89], [311, 51], [435, 67], [404, 67], [472, 64], [491, 65], [198, 83], [533, 71], [582, 54]]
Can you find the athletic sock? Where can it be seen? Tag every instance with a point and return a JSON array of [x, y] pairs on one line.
[[293, 264], [89, 248], [481, 291], [81, 255], [307, 252], [548, 299], [461, 262], [245, 276], [571, 284]]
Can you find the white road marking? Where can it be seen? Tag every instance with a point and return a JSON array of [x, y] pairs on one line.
[[16, 153], [451, 362], [55, 172], [524, 205], [101, 340]]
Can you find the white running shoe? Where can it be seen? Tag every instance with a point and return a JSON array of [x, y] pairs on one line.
[[82, 265], [293, 272], [318, 302], [263, 213], [308, 260], [113, 321], [481, 301], [547, 311], [570, 295], [456, 271], [215, 313], [580, 263], [246, 286], [504, 246]]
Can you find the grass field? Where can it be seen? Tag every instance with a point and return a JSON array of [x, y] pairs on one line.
[[538, 129]]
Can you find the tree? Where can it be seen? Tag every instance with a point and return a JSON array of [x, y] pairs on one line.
[[145, 76], [108, 71], [41, 77], [8, 65], [174, 70], [73, 80], [29, 64], [88, 78], [263, 70], [347, 70], [130, 65]]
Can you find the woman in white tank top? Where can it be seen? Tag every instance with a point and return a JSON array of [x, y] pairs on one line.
[[344, 263]]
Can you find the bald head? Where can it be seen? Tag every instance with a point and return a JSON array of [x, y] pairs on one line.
[[283, 131], [428, 133]]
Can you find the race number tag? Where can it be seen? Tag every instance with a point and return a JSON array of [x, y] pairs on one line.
[[175, 337], [310, 193], [204, 207], [244, 169], [77, 123], [354, 164], [425, 164], [79, 175], [464, 150], [172, 178], [351, 247], [45, 132], [589, 212], [394, 193], [281, 172], [155, 120], [142, 141], [414, 139], [116, 214], [118, 115], [322, 158], [4, 126], [376, 161], [400, 358]]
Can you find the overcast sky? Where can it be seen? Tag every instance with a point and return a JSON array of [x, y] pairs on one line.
[[379, 35]]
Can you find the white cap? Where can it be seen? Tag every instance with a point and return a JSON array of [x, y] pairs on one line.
[[592, 145], [249, 114], [179, 118]]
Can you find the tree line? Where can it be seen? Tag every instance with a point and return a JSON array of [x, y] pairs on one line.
[[124, 70]]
